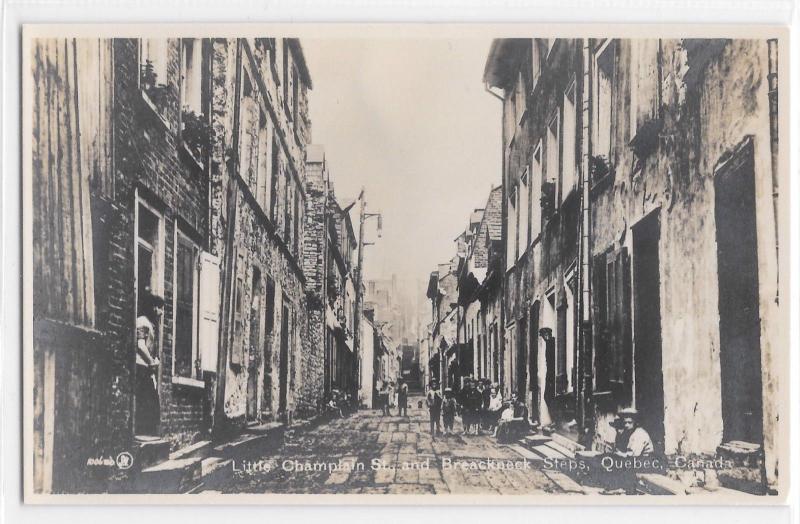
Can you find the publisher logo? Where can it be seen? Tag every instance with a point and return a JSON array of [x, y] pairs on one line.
[[124, 460]]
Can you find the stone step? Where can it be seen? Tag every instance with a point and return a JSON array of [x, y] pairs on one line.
[[201, 448], [564, 482], [250, 442], [547, 452], [535, 440], [555, 446], [170, 476], [567, 443], [525, 452], [149, 450]]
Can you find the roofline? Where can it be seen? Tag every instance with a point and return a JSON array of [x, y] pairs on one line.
[[498, 51]]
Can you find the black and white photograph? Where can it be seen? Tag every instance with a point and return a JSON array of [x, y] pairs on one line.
[[405, 263]]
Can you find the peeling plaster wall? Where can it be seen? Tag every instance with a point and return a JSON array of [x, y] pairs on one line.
[[699, 127]]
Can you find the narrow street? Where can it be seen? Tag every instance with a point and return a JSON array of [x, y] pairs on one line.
[[411, 461]]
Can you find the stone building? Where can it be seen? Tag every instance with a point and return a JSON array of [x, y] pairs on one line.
[[642, 270], [684, 245], [541, 82], [260, 129], [330, 269], [479, 291]]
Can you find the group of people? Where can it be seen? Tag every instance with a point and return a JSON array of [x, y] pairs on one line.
[[482, 408], [390, 395], [341, 403]]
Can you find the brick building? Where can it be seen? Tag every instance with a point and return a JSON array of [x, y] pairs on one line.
[[167, 167]]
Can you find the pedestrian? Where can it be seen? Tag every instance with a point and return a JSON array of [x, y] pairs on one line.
[[449, 407], [384, 398], [486, 397], [463, 402], [148, 411], [434, 402], [475, 402], [639, 442], [402, 400], [495, 408]]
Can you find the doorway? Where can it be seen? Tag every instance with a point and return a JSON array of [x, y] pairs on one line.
[[254, 347], [269, 325], [522, 355], [283, 373], [739, 317], [648, 373], [533, 361]]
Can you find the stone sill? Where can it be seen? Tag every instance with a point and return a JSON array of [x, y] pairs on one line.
[[155, 111], [186, 381]]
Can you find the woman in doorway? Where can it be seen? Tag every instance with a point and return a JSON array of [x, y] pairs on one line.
[[148, 411]]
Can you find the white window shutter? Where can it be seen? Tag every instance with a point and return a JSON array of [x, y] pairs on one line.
[[208, 339]]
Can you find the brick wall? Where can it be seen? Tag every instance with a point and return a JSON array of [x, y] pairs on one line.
[[149, 160]]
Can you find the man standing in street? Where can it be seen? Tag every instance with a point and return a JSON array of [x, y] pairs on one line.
[[434, 402], [402, 399]]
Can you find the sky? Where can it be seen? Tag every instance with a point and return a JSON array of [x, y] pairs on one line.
[[411, 123]]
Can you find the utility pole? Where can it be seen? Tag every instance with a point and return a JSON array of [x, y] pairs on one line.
[[359, 278], [584, 363]]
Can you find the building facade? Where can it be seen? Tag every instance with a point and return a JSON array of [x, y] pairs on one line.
[[176, 179], [626, 285]]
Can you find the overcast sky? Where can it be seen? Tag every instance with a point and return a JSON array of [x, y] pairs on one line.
[[408, 120]]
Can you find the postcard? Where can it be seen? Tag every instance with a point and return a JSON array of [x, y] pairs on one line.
[[414, 264]]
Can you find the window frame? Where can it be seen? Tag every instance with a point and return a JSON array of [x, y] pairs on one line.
[[536, 181], [608, 45], [179, 236], [564, 129]]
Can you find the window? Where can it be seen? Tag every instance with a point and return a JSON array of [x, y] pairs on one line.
[[192, 75], [237, 352], [149, 253], [295, 95], [612, 322], [185, 361], [605, 59], [536, 192], [248, 133], [519, 102], [297, 222], [644, 83], [536, 64], [511, 229], [264, 155], [289, 77], [274, 173], [568, 174], [153, 63], [552, 164], [524, 212], [288, 193]]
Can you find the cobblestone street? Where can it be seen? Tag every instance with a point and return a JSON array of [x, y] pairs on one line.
[[411, 462]]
